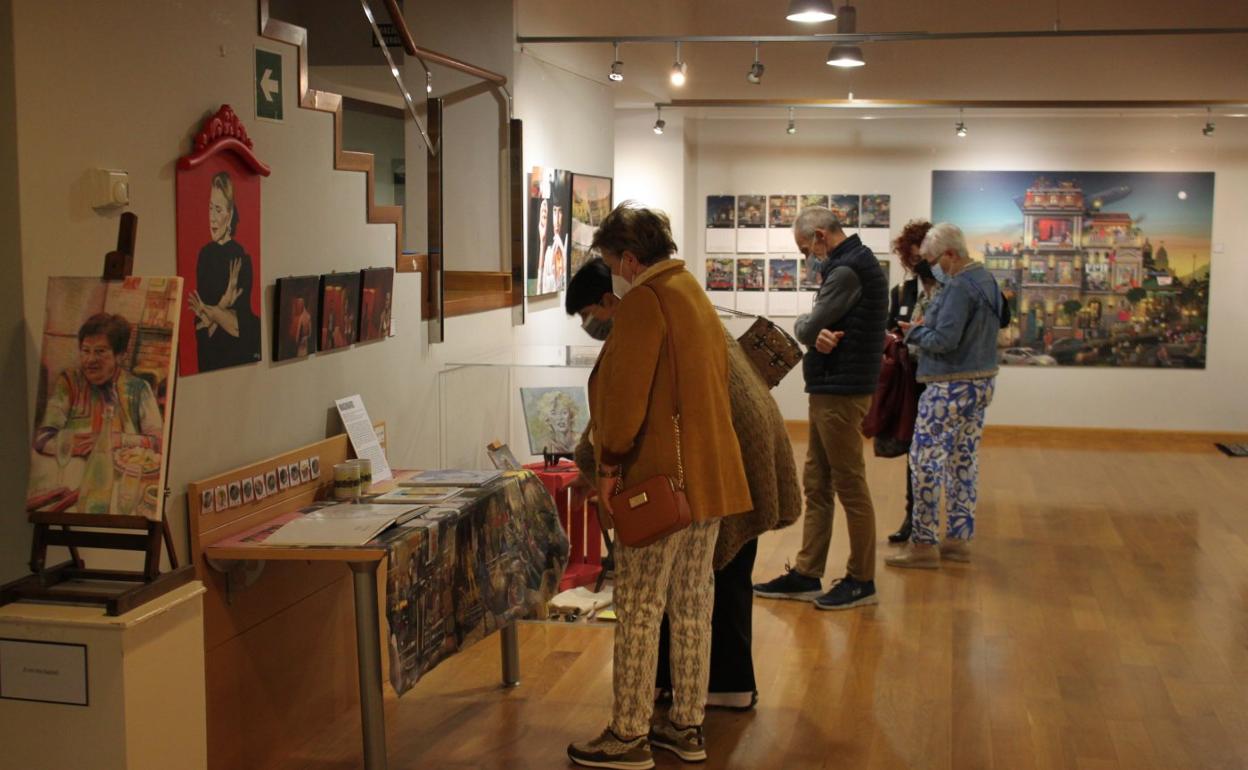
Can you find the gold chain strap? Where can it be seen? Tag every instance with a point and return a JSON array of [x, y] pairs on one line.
[[680, 460]]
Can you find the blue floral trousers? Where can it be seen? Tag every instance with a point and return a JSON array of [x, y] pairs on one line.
[[945, 451]]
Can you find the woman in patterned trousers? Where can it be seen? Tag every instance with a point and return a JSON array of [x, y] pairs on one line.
[[957, 339]]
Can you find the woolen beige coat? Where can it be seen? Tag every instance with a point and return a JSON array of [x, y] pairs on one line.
[[631, 398]]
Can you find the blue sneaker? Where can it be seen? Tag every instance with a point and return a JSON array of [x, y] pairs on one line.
[[846, 593], [791, 585]]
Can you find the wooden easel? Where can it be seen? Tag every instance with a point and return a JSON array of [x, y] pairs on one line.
[[124, 533]]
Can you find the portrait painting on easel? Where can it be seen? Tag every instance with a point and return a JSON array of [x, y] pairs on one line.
[[105, 391]]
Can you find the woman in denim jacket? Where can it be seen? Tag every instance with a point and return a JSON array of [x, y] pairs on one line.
[[958, 341]]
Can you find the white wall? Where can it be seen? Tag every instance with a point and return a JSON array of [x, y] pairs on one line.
[[898, 156], [142, 118], [367, 131]]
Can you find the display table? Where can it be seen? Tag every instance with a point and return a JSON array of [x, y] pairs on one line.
[[469, 566], [81, 689]]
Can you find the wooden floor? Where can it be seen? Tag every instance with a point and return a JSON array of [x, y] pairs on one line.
[[1103, 624]]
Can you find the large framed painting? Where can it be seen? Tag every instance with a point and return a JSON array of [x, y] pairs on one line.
[[550, 230], [218, 245], [298, 317], [591, 202], [340, 310], [1101, 268], [106, 381]]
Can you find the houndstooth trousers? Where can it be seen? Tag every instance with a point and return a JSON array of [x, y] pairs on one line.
[[674, 576]]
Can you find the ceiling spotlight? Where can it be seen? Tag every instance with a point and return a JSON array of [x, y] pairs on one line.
[[428, 82], [755, 75], [679, 68], [617, 66], [960, 129], [792, 127], [845, 56], [841, 55], [1208, 129], [811, 11], [660, 123]]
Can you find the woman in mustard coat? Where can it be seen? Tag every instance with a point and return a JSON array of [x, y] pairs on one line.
[[631, 406]]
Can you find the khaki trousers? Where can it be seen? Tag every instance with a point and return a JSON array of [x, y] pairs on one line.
[[835, 468], [672, 575]]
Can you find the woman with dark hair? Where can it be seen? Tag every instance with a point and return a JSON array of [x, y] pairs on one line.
[[665, 355], [227, 332]]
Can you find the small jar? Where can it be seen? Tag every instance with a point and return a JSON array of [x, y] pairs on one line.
[[346, 481]]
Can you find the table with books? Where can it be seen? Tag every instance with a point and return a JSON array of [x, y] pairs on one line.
[[467, 553]]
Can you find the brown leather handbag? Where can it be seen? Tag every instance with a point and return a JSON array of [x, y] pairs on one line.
[[772, 350], [657, 507]]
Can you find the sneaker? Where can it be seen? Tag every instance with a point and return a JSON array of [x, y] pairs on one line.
[[732, 701], [688, 743], [955, 550], [609, 750], [791, 585], [846, 593], [917, 556]]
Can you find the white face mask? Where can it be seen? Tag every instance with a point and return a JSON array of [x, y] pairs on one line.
[[620, 285]]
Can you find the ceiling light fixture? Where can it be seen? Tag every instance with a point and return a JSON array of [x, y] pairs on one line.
[[428, 82], [755, 75], [1208, 129], [679, 69], [846, 56], [792, 128], [811, 11], [617, 66], [660, 123], [960, 129]]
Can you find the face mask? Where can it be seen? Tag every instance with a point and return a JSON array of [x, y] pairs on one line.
[[939, 274], [620, 285], [597, 329], [924, 270]]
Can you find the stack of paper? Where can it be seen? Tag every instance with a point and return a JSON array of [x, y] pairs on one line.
[[450, 478], [418, 495], [341, 525]]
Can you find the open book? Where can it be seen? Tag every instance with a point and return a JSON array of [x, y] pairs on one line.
[[342, 525]]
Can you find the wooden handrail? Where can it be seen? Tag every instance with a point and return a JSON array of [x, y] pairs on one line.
[[424, 54]]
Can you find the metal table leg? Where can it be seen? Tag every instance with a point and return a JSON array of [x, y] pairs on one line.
[[509, 636], [368, 655]]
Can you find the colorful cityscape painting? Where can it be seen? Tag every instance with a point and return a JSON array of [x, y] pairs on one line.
[[1100, 268]]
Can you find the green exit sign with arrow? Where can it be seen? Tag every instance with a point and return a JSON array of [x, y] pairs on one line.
[[268, 78]]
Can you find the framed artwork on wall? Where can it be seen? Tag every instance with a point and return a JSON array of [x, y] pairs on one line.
[[1101, 268], [218, 247], [296, 329], [376, 301], [846, 209], [340, 309], [550, 230], [591, 202]]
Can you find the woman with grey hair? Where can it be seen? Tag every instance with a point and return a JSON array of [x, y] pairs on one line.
[[957, 338]]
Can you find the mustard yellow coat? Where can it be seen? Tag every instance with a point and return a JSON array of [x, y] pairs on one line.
[[630, 393]]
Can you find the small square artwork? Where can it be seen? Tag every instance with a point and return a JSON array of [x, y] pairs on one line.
[[783, 275], [298, 302], [257, 487], [721, 211], [814, 200], [781, 210], [555, 417], [751, 274], [249, 493], [751, 211], [295, 478], [270, 483], [340, 310], [719, 274], [305, 471], [376, 299], [206, 499], [503, 458], [236, 494], [283, 477], [875, 210], [315, 465], [221, 497], [846, 209]]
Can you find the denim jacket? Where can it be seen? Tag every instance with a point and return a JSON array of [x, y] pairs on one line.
[[958, 336]]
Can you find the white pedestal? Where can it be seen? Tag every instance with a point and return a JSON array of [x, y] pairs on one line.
[[144, 686]]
